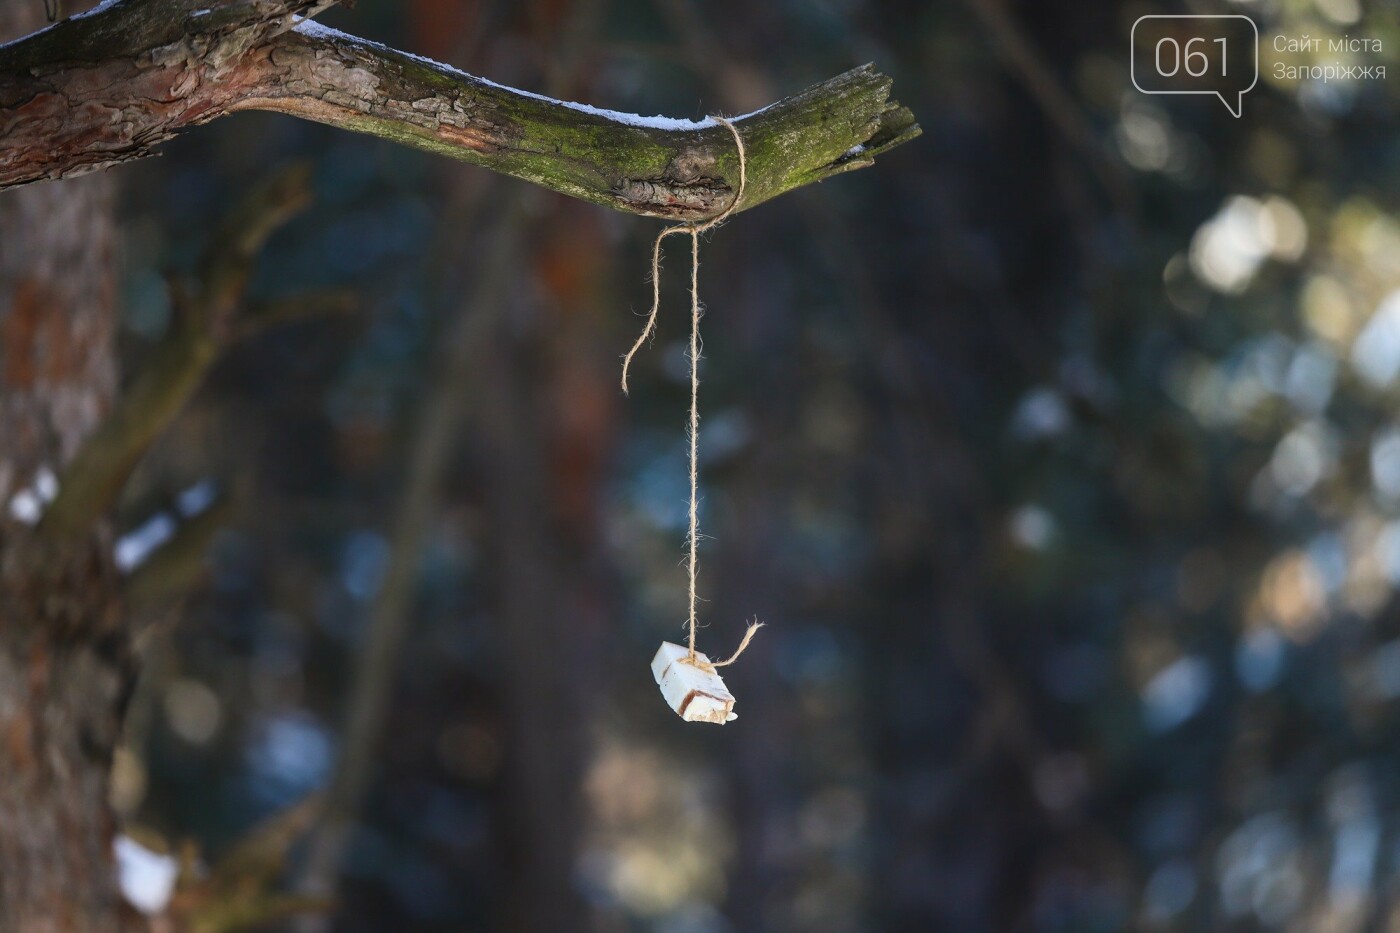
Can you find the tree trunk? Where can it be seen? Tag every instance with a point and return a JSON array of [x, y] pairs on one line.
[[64, 661]]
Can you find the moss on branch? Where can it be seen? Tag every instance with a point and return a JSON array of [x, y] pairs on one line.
[[108, 87]]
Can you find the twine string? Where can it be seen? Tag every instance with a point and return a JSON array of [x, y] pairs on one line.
[[693, 431], [694, 229], [692, 534]]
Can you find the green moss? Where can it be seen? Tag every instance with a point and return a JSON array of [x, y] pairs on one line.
[[802, 139]]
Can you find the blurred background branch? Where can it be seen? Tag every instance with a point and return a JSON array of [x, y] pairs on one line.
[[206, 320]]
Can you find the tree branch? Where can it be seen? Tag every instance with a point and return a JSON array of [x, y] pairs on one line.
[[171, 571], [294, 309], [107, 87]]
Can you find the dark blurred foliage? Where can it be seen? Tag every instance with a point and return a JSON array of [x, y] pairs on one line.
[[1058, 451]]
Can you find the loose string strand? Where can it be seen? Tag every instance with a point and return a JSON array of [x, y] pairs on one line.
[[694, 229], [650, 327], [693, 531], [754, 626]]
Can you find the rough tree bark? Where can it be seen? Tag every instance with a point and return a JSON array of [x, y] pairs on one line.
[[100, 89], [107, 87]]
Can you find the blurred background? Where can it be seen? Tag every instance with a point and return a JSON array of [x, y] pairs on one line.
[[1059, 451]]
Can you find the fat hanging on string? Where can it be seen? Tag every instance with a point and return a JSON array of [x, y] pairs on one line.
[[689, 681]]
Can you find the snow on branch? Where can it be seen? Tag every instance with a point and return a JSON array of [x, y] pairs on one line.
[[109, 86]]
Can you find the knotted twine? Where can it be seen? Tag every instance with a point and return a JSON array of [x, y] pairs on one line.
[[693, 532]]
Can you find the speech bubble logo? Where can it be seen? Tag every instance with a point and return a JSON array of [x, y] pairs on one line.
[[1196, 54]]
